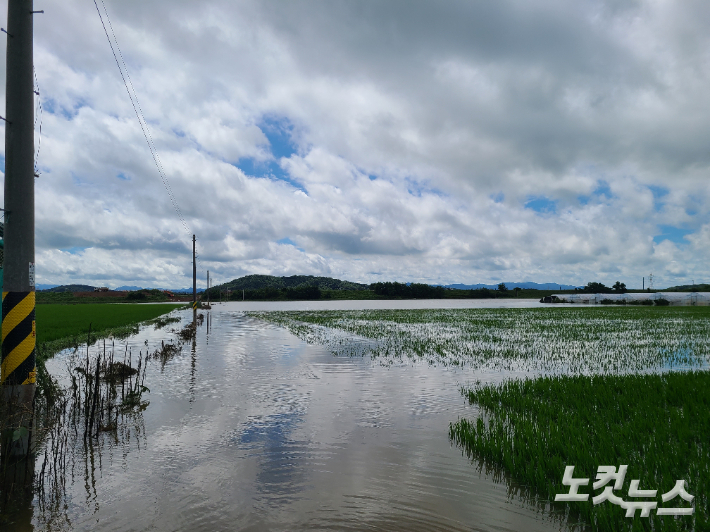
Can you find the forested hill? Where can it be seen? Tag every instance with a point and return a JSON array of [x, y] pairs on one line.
[[70, 288], [258, 282], [689, 288]]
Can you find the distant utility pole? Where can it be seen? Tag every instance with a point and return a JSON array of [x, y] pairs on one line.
[[18, 371], [208, 288], [194, 277]]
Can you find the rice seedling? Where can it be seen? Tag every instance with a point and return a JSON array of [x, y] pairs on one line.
[[657, 424]]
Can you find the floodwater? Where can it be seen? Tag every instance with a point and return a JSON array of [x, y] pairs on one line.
[[249, 428]]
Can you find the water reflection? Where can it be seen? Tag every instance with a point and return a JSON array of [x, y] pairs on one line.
[[250, 428]]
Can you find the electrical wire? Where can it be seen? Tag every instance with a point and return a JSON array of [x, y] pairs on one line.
[[133, 96]]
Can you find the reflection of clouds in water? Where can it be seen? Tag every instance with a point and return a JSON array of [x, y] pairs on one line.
[[682, 358], [270, 439]]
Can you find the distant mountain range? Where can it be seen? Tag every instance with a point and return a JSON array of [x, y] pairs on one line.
[[64, 288], [175, 290], [690, 288], [256, 282], [89, 288]]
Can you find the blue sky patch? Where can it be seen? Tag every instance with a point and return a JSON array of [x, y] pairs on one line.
[[658, 194], [279, 133], [674, 234], [52, 108], [541, 204], [49, 106], [603, 190], [498, 198], [602, 193], [417, 189], [290, 242], [269, 169], [74, 250], [123, 177]]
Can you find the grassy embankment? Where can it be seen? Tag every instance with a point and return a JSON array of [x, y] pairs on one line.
[[580, 407]]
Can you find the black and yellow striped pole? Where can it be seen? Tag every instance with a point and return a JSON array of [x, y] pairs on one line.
[[19, 333], [17, 373]]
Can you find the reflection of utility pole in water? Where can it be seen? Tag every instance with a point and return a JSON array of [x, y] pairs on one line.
[[193, 361], [193, 367], [17, 373]]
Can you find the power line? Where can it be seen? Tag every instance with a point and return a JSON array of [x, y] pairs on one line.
[[133, 96]]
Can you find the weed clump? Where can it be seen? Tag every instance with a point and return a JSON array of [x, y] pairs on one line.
[[164, 321], [166, 353], [188, 332]]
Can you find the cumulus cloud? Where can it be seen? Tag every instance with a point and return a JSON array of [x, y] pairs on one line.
[[412, 141]]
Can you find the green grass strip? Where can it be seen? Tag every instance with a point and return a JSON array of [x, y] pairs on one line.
[[62, 326], [657, 424]]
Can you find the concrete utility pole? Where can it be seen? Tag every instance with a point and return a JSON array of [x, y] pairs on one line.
[[18, 370], [194, 278], [208, 288]]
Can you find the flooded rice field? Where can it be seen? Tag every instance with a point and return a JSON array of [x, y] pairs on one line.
[[298, 421]]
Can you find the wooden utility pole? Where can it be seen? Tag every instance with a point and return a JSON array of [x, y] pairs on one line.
[[18, 371], [194, 278]]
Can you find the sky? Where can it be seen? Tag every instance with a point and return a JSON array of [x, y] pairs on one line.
[[438, 142]]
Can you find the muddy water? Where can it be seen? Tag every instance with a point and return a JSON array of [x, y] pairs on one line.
[[249, 428]]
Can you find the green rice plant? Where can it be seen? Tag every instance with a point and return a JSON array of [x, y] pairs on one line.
[[62, 326], [658, 424]]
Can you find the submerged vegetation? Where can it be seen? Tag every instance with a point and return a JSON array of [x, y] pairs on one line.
[[546, 340], [599, 389]]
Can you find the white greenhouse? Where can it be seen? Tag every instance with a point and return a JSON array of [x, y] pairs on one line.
[[673, 298]]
